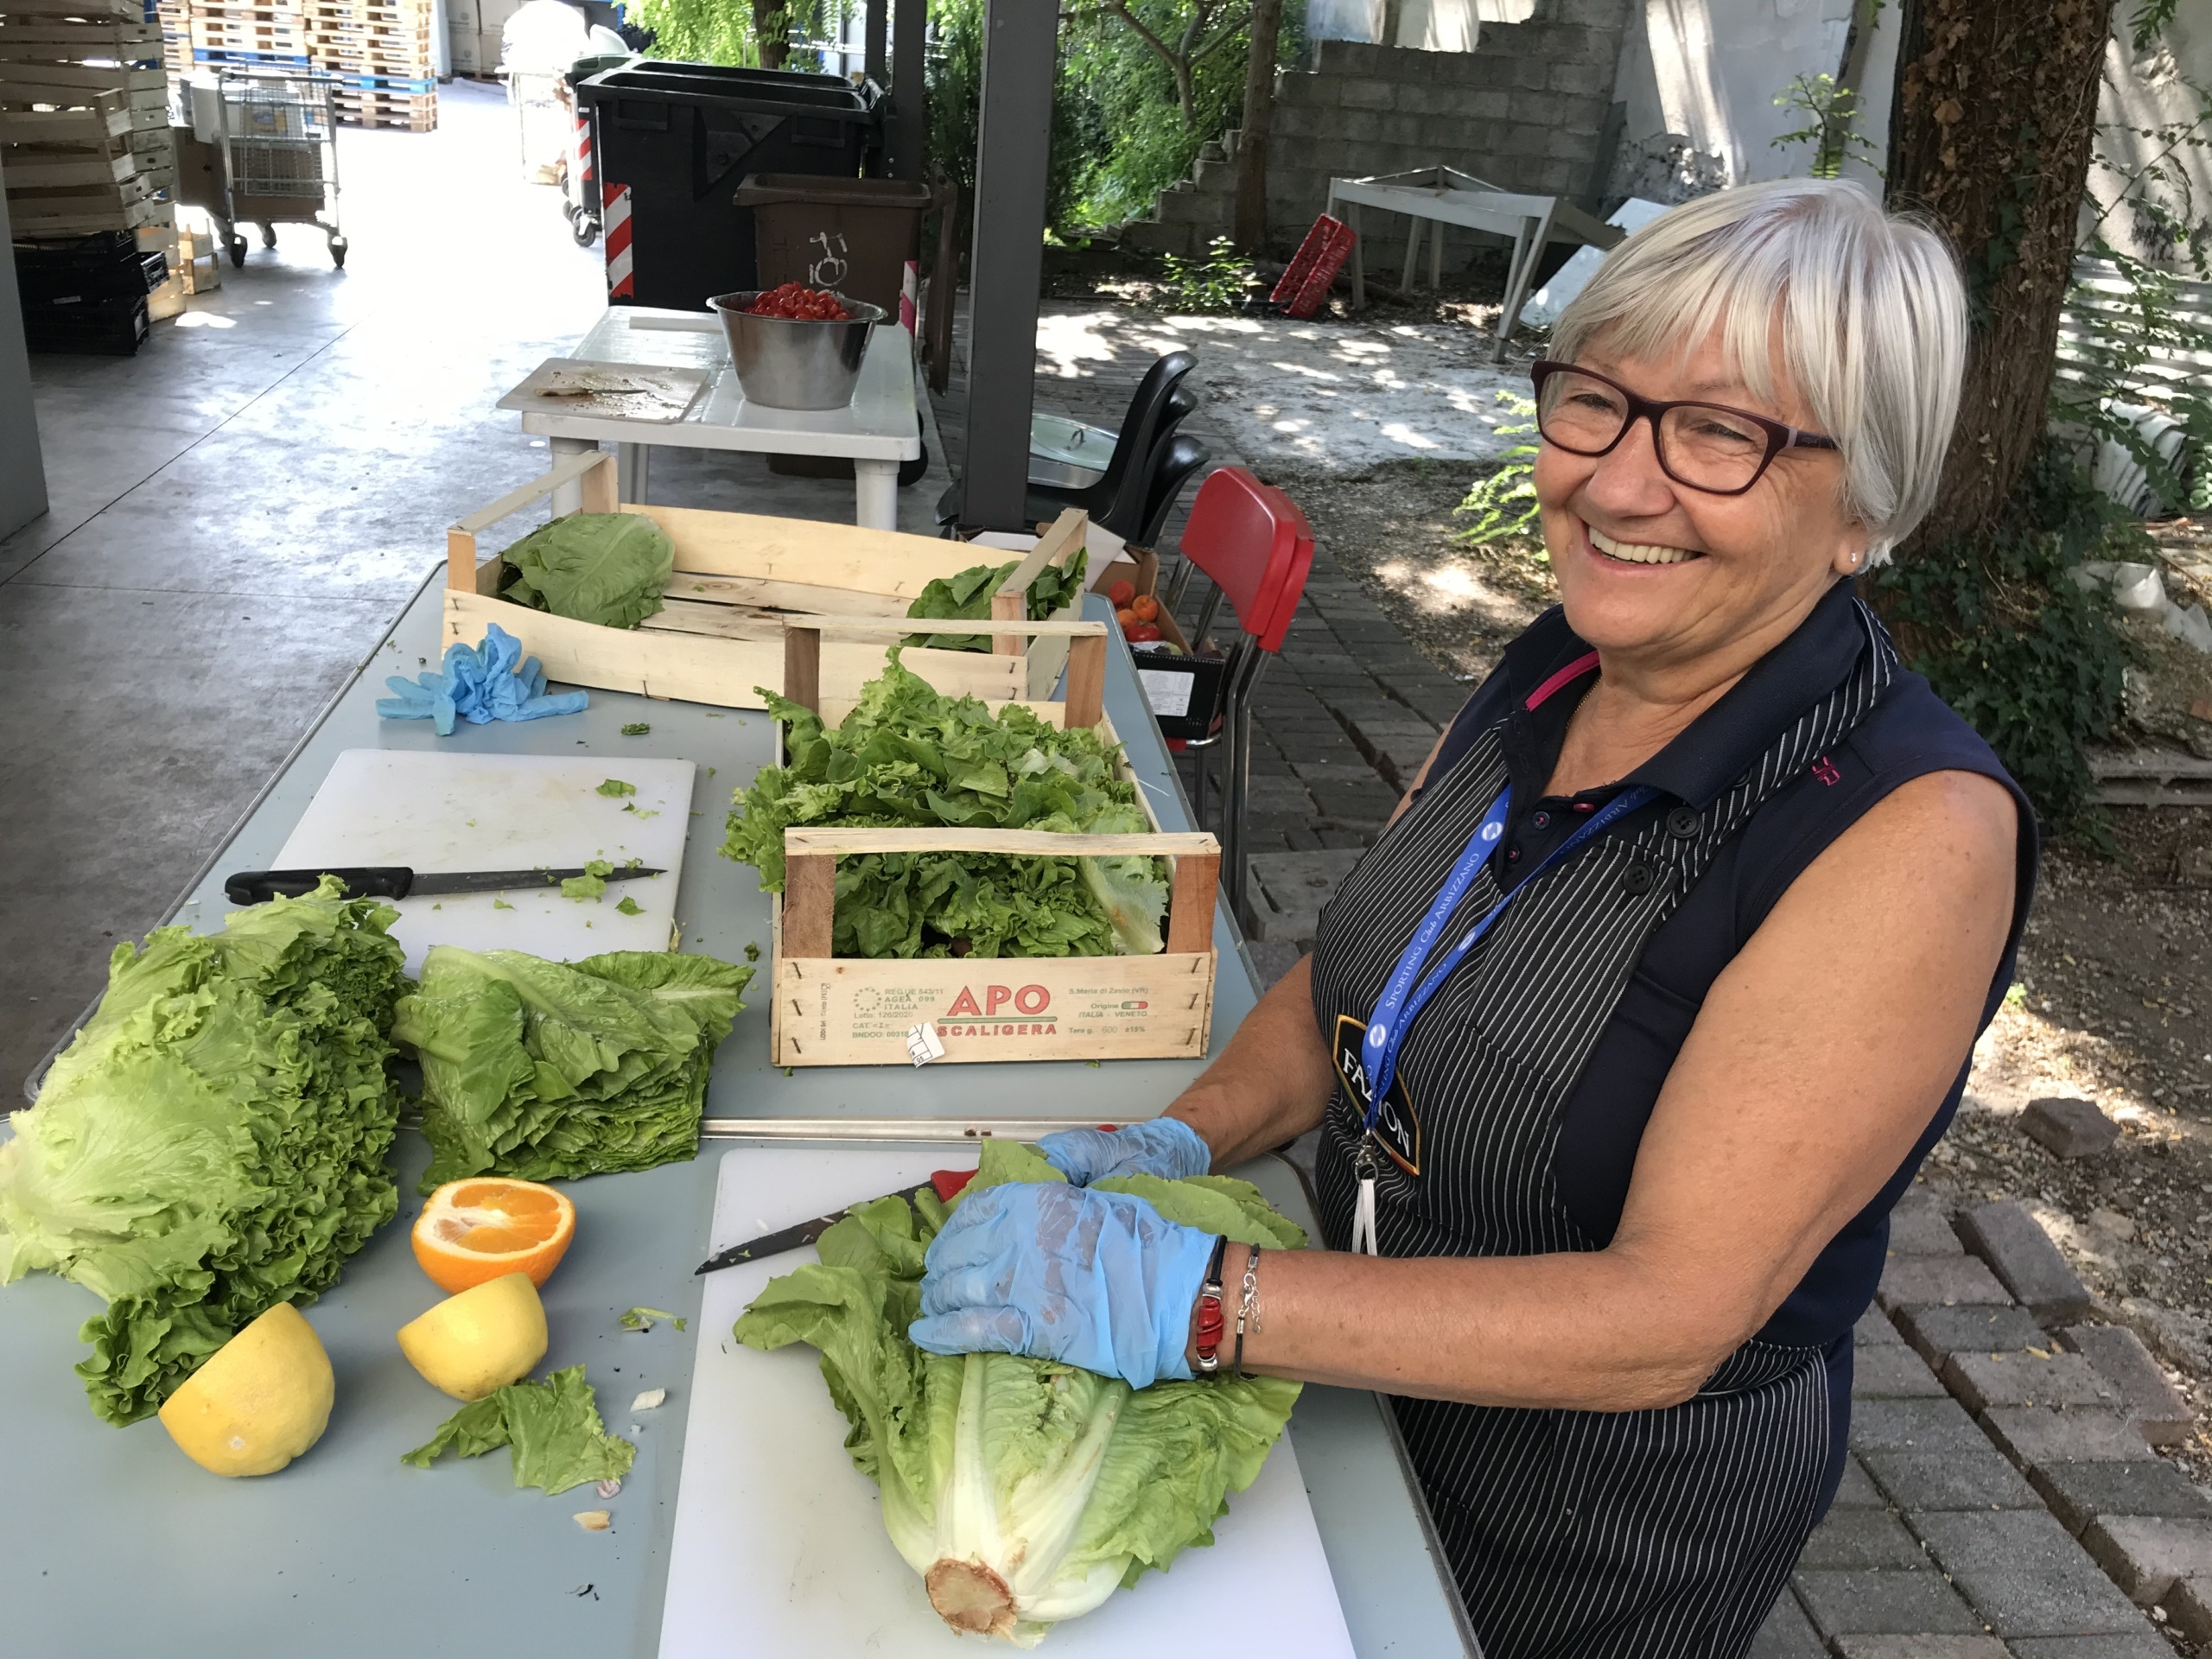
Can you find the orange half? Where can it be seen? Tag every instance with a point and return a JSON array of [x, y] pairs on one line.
[[473, 1231]]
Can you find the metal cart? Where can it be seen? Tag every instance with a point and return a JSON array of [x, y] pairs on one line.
[[280, 157]]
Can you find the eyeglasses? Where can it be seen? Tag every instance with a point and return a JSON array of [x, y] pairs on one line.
[[1708, 447]]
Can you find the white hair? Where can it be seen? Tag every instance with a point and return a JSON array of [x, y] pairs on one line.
[[1866, 307]]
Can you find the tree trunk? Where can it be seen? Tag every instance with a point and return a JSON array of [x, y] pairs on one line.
[[1990, 136], [771, 28], [1259, 119]]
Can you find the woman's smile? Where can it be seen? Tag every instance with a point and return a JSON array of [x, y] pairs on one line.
[[1618, 551]]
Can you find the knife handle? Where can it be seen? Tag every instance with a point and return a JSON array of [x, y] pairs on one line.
[[258, 886]]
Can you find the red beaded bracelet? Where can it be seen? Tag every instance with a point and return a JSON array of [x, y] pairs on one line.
[[1210, 1323]]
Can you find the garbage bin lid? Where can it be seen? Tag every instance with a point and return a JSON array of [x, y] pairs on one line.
[[767, 189]]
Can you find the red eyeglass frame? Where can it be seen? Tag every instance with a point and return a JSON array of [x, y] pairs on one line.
[[1780, 435]]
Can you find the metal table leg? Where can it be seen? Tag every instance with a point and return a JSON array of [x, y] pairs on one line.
[[633, 471], [570, 497], [875, 494]]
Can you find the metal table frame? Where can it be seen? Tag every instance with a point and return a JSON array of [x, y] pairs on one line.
[[1443, 196], [352, 1554], [879, 429]]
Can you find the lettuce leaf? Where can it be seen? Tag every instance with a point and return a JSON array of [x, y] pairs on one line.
[[553, 1428], [608, 568], [906, 756], [1023, 1491], [548, 1069], [215, 1140], [965, 596]]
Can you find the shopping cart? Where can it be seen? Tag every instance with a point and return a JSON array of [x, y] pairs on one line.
[[280, 156]]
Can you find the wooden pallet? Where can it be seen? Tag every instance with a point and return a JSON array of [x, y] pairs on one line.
[[282, 39], [376, 109], [38, 11], [63, 41], [288, 16]]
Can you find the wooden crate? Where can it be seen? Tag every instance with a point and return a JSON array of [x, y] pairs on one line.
[[831, 1010], [737, 576], [410, 111]]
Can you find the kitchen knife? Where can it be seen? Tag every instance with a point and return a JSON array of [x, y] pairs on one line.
[[398, 881], [946, 1183]]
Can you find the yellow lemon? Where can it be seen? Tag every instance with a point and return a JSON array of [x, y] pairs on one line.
[[479, 1340], [260, 1400]]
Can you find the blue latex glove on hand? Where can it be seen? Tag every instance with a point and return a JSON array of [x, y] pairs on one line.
[[478, 683], [1165, 1147], [1102, 1280]]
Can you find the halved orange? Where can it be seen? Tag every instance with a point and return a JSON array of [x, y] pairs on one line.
[[472, 1231]]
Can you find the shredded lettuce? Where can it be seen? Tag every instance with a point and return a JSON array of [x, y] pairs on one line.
[[552, 1427], [908, 756], [1023, 1491], [965, 596], [549, 1070], [215, 1140]]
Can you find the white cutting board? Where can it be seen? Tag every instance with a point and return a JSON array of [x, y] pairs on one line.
[[779, 1546], [448, 812]]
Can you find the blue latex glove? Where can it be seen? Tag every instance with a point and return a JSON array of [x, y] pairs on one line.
[[478, 683], [1165, 1147], [1102, 1280]]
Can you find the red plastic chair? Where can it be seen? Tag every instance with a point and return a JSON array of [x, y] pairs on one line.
[[1252, 542]]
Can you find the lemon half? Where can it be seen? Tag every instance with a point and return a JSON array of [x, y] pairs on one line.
[[480, 1340], [261, 1399]]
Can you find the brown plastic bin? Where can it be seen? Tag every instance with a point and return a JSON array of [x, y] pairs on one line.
[[852, 235]]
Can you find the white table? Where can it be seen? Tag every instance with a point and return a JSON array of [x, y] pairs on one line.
[[880, 428], [1445, 196]]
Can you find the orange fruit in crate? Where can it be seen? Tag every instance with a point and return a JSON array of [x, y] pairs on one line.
[[1146, 607], [478, 1229]]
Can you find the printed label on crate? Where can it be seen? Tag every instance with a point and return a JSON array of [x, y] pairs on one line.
[[990, 1009], [1168, 693]]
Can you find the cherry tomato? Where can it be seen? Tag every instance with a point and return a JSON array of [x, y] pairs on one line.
[[1121, 594], [1143, 631]]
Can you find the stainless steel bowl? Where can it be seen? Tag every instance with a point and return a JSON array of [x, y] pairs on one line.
[[787, 362]]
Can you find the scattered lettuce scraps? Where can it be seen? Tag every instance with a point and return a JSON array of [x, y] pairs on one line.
[[630, 906], [548, 1069], [637, 728], [966, 597], [752, 950], [606, 568], [641, 1319], [215, 1140], [615, 789], [592, 884], [907, 756], [552, 1429], [1024, 1490]]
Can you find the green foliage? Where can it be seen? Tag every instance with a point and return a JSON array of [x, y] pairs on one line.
[[1503, 502], [2009, 638], [1831, 116], [713, 31], [909, 757], [2103, 384], [1216, 283], [965, 596]]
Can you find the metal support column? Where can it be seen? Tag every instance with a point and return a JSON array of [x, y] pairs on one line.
[[1007, 268], [877, 25], [909, 140]]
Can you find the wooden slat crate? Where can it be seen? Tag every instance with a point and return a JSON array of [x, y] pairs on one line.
[[737, 577], [831, 1010]]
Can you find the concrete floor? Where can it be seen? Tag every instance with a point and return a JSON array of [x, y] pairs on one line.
[[240, 511]]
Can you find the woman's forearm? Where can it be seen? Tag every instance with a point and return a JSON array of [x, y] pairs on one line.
[[1271, 1083], [1587, 1331]]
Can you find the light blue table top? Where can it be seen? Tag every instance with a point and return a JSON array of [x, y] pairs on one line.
[[347, 1552]]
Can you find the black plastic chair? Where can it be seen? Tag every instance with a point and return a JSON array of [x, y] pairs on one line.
[[1176, 463]]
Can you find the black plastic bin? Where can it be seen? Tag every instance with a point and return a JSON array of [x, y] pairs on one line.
[[852, 235], [674, 141]]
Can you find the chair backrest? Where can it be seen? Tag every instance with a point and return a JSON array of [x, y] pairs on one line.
[[1178, 461], [1255, 544], [1122, 494]]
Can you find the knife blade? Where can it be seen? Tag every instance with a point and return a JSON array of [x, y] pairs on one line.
[[945, 1183], [398, 882]]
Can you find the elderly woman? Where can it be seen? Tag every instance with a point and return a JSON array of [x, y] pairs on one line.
[[1632, 1028]]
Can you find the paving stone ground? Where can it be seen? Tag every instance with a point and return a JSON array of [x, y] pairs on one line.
[[1958, 1530]]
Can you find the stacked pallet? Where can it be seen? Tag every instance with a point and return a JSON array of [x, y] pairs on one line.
[[84, 120], [377, 52]]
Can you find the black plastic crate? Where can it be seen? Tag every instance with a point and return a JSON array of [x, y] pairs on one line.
[[107, 266], [1183, 691], [108, 328], [673, 142]]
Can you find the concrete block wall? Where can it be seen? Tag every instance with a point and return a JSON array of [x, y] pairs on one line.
[[1525, 111]]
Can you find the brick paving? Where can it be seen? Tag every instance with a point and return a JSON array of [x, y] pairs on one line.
[[2001, 1500]]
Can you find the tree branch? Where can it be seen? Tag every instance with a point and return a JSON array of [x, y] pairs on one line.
[[1120, 9]]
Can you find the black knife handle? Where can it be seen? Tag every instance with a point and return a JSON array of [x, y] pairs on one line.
[[258, 886]]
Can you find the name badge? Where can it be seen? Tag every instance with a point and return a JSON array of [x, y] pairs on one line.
[[1397, 1126]]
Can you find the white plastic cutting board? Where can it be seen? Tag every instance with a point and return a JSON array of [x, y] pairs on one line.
[[779, 1547], [434, 811]]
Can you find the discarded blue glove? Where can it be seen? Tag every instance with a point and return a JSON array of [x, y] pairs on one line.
[[478, 683], [1165, 1147], [1102, 1280]]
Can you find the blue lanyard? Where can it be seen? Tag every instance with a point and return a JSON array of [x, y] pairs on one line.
[[1402, 1000]]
